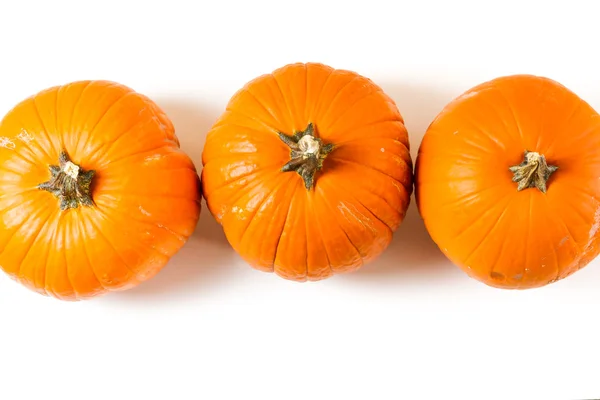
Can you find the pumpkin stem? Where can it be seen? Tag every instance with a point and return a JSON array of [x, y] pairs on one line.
[[532, 172], [69, 183], [307, 154]]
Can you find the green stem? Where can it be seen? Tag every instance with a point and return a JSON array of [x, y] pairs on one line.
[[307, 154], [533, 172], [69, 183]]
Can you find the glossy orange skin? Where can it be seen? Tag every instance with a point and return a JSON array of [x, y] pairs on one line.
[[359, 198], [471, 206], [146, 191]]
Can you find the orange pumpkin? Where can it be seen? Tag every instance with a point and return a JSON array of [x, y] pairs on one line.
[[308, 171], [507, 181], [96, 194]]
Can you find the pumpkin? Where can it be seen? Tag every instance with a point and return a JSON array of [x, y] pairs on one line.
[[507, 182], [308, 171], [96, 193]]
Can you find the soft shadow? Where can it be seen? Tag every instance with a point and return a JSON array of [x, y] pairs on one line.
[[419, 105], [411, 255], [192, 121], [207, 258]]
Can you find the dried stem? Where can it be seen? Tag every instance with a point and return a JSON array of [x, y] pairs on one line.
[[533, 172], [307, 154], [69, 183]]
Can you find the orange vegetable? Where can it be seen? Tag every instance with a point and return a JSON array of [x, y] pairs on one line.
[[507, 182], [96, 194], [308, 171]]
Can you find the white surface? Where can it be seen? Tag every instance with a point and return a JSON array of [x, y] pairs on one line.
[[409, 326]]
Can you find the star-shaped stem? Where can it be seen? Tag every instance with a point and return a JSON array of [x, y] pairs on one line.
[[69, 183], [307, 154], [533, 172]]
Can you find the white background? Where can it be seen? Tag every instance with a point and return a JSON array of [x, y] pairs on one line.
[[411, 325]]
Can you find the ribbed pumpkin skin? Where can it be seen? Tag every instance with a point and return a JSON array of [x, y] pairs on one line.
[[471, 206], [145, 191], [359, 197]]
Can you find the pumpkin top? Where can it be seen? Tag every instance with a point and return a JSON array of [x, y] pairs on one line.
[[97, 194], [313, 160], [507, 181]]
